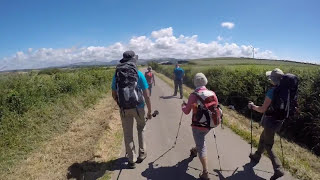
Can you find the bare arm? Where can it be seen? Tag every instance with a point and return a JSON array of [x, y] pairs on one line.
[[147, 99], [186, 107], [264, 107]]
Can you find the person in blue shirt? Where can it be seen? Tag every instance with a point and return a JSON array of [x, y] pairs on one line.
[[138, 113], [178, 73], [270, 126]]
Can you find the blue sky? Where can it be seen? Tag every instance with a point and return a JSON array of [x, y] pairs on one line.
[[287, 28]]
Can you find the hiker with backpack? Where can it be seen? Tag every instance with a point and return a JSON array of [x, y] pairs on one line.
[[130, 91], [150, 78], [206, 115], [178, 74], [279, 104]]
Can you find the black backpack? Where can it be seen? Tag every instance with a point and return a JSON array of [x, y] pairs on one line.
[[129, 95], [285, 98]]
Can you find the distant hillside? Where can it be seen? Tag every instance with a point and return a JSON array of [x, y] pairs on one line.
[[247, 61], [201, 62], [115, 62]]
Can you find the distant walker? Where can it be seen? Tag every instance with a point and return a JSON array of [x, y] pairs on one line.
[[150, 78], [178, 73]]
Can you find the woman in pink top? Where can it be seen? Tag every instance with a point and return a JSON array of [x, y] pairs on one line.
[[199, 133]]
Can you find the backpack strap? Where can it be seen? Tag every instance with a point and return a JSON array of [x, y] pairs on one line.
[[288, 104], [200, 98]]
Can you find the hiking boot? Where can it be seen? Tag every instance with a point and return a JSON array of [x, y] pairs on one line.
[[277, 174], [255, 157], [141, 157], [131, 165], [204, 176], [181, 97], [193, 152]]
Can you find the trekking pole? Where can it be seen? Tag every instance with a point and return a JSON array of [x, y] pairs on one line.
[[282, 151], [251, 130], [175, 142], [222, 123], [215, 140], [221, 116]]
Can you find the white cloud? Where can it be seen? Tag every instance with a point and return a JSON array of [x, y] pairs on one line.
[[167, 32], [160, 44], [219, 38], [228, 25]]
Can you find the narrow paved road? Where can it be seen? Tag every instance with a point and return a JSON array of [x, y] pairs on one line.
[[165, 162]]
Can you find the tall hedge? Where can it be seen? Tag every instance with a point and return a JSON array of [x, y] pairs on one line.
[[236, 85]]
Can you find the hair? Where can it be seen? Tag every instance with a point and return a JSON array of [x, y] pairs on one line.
[[200, 80]]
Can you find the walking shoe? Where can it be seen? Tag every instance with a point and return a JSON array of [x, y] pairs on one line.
[[277, 173], [181, 97], [131, 165], [141, 157], [204, 176], [255, 157], [174, 95], [193, 152]]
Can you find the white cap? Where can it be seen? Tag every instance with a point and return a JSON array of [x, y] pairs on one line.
[[275, 75], [200, 80]]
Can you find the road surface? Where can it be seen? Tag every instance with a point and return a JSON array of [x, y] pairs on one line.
[[165, 162]]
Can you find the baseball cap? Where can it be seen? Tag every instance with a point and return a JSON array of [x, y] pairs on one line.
[[129, 55]]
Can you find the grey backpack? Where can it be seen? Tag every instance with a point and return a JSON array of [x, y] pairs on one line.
[[129, 95]]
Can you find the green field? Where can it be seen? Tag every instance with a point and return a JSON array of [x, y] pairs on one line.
[[38, 105], [239, 80]]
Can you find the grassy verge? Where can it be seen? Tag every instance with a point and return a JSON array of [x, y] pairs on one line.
[[298, 161], [106, 150], [109, 145], [115, 148], [88, 148], [35, 108]]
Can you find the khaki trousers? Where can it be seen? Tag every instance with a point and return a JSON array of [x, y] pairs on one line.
[[127, 118], [266, 143]]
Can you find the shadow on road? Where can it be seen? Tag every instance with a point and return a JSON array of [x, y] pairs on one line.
[[175, 172], [91, 170], [247, 173], [168, 97]]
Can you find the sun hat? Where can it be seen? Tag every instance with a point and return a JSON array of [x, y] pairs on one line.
[[149, 68], [129, 56], [200, 80], [275, 75]]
